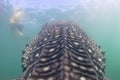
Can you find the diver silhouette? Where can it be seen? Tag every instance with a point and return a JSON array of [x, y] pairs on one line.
[[16, 26]]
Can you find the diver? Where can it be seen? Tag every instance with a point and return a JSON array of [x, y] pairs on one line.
[[16, 26]]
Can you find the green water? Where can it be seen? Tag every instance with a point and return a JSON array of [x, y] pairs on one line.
[[101, 22]]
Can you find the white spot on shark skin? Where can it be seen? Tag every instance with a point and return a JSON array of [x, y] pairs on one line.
[[82, 78], [56, 31], [74, 29], [67, 68], [43, 59], [73, 37], [29, 75], [67, 28], [54, 56], [51, 78], [71, 33], [74, 64], [100, 71], [70, 45], [57, 36], [82, 67], [51, 50], [37, 55], [89, 50], [100, 59], [80, 36], [45, 39], [80, 58], [46, 68], [35, 47], [91, 69], [81, 50], [76, 43], [72, 75], [96, 67], [25, 56], [83, 41], [53, 41]]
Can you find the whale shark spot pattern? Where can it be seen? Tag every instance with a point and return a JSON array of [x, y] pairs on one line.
[[62, 51]]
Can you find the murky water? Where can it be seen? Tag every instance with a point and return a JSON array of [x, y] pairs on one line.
[[100, 19]]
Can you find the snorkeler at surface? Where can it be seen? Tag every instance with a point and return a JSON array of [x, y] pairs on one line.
[[15, 21]]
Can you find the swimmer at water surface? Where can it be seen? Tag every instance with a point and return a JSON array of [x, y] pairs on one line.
[[15, 21]]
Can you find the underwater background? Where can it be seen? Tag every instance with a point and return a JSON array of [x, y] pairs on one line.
[[100, 19]]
